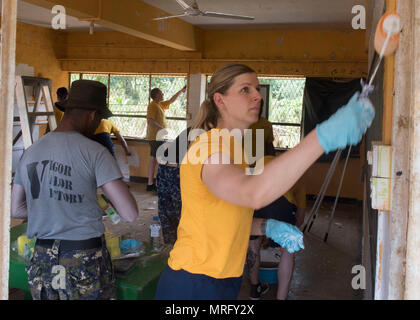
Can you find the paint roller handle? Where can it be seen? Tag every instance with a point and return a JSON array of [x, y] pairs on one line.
[[366, 89], [347, 125]]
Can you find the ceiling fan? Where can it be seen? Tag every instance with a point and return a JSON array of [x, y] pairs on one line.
[[193, 10]]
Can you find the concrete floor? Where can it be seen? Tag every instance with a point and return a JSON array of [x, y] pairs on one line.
[[322, 270]]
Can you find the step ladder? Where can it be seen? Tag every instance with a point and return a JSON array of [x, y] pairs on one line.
[[27, 119]]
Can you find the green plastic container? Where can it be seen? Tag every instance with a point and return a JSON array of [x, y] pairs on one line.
[[138, 284]]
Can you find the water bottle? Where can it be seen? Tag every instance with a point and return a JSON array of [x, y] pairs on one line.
[[155, 243]]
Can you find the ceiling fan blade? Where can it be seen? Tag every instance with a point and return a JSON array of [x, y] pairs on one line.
[[226, 15], [183, 4], [170, 17]]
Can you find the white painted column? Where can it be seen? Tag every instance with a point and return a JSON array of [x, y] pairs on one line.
[[382, 257], [8, 57], [412, 279], [196, 95]]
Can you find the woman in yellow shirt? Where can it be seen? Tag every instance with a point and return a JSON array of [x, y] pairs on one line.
[[219, 195]]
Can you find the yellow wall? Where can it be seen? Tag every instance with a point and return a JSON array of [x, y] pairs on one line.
[[352, 186], [288, 45], [317, 53], [35, 47]]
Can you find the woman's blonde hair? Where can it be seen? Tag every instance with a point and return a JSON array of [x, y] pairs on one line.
[[221, 81]]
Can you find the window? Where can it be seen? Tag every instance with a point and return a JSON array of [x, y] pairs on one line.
[[128, 100], [129, 96], [285, 109]]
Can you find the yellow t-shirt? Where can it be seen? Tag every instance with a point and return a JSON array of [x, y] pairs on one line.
[[265, 125], [106, 126], [156, 111], [58, 114], [213, 234]]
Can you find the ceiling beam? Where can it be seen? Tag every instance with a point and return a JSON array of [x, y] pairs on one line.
[[133, 17]]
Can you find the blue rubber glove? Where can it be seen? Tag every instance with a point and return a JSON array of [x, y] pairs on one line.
[[285, 234], [347, 125]]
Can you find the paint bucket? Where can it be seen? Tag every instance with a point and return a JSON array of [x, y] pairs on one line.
[[268, 272], [270, 258]]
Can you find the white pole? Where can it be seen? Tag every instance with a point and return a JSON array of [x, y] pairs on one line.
[[382, 257], [8, 55]]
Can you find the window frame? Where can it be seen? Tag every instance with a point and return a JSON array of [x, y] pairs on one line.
[[150, 75], [286, 124]]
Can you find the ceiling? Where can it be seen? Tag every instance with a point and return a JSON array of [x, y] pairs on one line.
[[38, 16], [297, 14], [269, 13]]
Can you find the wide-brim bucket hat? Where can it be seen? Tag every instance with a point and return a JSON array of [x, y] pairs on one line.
[[89, 95]]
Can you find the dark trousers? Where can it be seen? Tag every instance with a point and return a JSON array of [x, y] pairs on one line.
[[182, 285]]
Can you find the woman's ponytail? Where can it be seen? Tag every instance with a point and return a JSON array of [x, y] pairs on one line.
[[207, 116]]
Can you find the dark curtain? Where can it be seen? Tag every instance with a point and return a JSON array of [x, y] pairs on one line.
[[321, 98]]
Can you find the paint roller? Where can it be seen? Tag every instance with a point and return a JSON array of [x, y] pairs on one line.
[[386, 41]]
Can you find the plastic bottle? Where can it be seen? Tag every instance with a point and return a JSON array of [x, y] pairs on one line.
[[108, 209], [155, 239]]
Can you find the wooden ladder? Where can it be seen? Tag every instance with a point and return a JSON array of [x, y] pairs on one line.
[[27, 119]]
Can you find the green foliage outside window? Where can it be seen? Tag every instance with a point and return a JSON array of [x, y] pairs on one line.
[[129, 94], [74, 77], [96, 77]]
